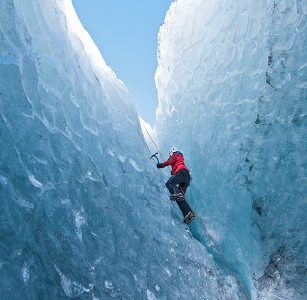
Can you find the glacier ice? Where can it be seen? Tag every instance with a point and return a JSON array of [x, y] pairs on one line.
[[232, 86], [84, 213]]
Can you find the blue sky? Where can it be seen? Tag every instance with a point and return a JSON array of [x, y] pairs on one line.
[[125, 31]]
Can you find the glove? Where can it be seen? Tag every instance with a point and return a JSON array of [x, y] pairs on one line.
[[159, 166]]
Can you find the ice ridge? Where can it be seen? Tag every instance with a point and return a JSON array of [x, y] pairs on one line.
[[231, 82]]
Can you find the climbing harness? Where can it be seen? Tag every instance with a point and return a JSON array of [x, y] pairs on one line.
[[155, 155]]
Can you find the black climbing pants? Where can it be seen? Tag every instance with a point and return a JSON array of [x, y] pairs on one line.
[[181, 178]]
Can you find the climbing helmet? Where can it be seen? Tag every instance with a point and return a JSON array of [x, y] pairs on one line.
[[173, 150]]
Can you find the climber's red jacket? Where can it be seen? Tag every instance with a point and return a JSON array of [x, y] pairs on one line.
[[176, 161]]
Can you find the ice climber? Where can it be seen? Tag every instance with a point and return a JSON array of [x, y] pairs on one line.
[[180, 176]]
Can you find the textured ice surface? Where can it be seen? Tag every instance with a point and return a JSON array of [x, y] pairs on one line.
[[84, 213], [232, 80]]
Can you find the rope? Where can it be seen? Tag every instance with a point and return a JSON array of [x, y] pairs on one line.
[[214, 243], [154, 144], [151, 157], [198, 218]]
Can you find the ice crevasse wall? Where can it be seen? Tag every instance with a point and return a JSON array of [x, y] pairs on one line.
[[84, 213], [232, 80]]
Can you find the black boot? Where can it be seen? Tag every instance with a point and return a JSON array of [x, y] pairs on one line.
[[189, 217], [176, 197]]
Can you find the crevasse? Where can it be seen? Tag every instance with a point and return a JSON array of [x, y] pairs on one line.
[[84, 213]]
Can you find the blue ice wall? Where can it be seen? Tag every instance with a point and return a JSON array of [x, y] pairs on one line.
[[232, 97], [84, 213]]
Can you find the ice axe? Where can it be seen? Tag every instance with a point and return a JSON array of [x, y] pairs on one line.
[[155, 155]]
